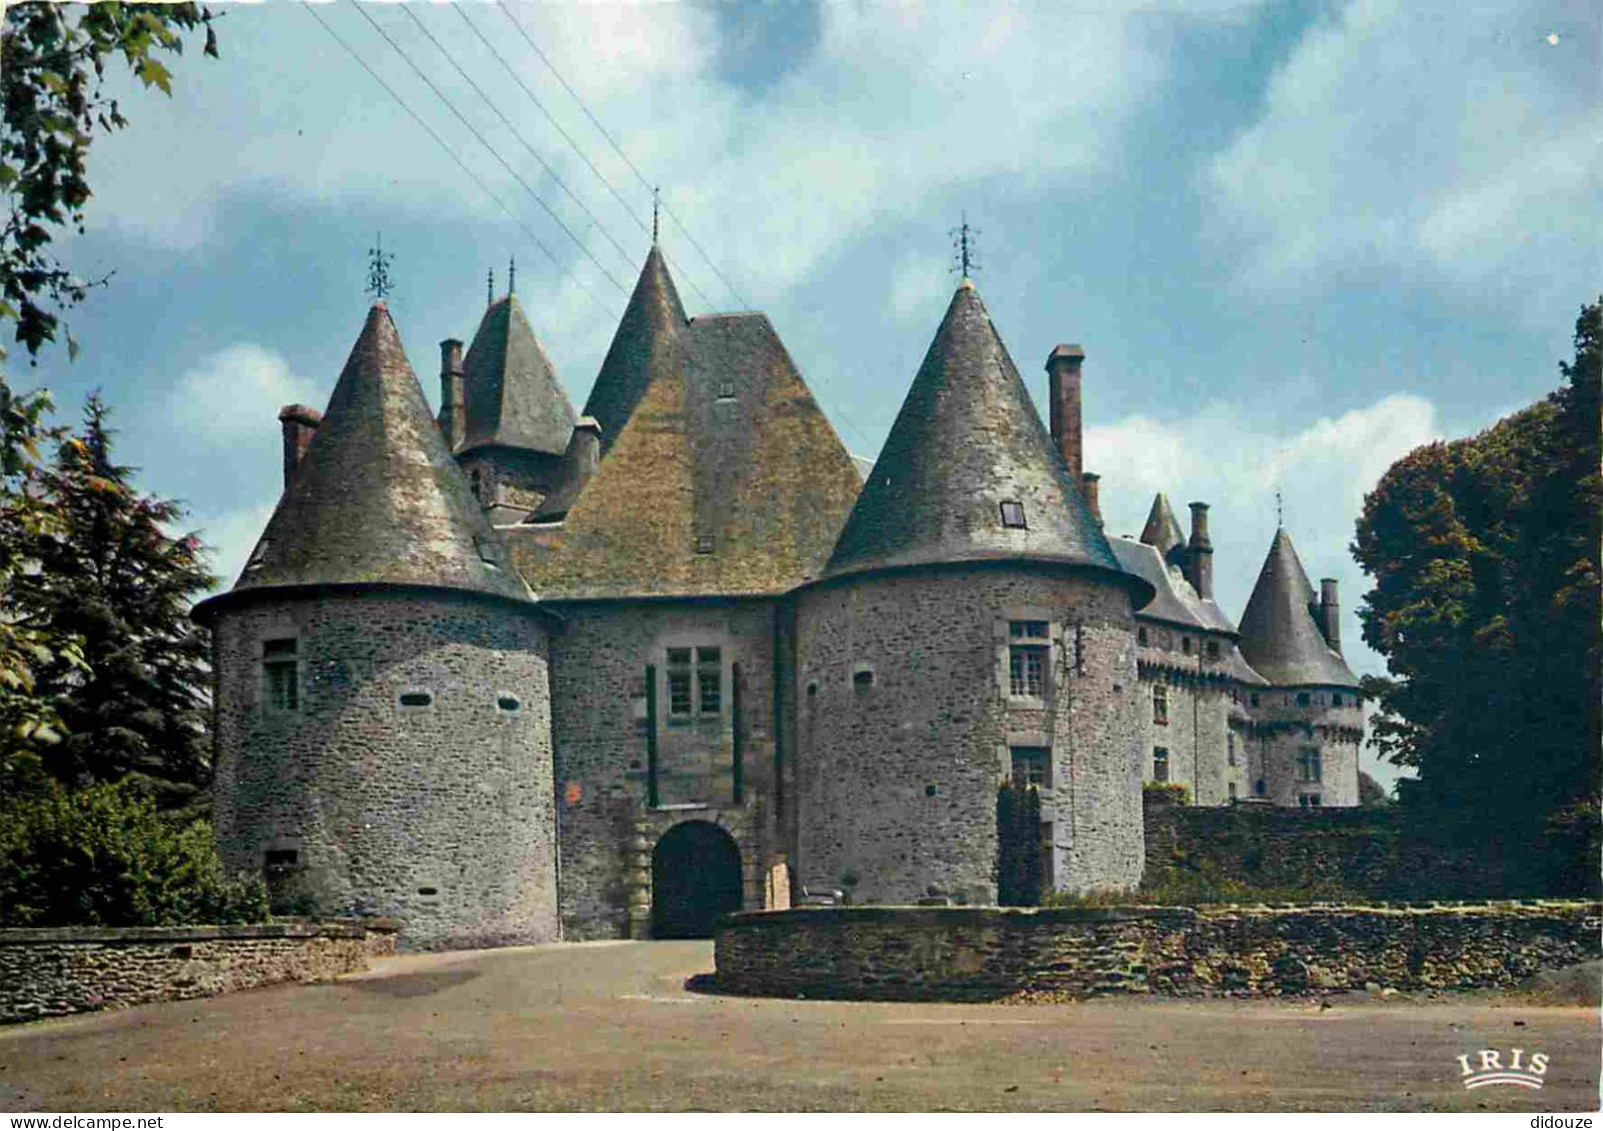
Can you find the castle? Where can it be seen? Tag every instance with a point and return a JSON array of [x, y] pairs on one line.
[[510, 674]]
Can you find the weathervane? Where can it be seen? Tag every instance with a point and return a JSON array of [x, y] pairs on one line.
[[656, 203], [378, 269], [1280, 511], [965, 255], [512, 276], [489, 287]]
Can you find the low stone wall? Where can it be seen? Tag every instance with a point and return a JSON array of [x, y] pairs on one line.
[[980, 954], [54, 971]]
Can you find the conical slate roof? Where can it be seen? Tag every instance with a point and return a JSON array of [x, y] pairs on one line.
[[1279, 636], [377, 499], [511, 389], [640, 348], [968, 439], [726, 478], [1161, 530]]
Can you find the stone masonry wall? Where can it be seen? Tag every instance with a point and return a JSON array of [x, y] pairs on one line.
[[600, 726], [906, 722], [439, 815], [1359, 853], [46, 973], [1282, 729], [956, 954], [1197, 729]]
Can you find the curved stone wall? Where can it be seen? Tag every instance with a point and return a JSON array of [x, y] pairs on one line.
[[980, 954], [413, 777], [906, 721]]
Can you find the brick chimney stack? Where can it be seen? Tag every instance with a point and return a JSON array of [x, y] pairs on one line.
[[453, 397], [1088, 488], [1329, 617], [1063, 398], [1199, 553], [585, 446], [298, 424]]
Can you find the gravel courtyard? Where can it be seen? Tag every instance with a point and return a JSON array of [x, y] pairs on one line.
[[612, 1026]]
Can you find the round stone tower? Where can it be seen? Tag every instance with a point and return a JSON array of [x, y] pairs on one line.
[[972, 626], [383, 734]]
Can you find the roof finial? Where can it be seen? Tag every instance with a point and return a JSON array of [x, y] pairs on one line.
[[489, 287], [1280, 510], [512, 276], [378, 269], [656, 205], [965, 253]]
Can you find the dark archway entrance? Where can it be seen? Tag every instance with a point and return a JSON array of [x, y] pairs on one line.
[[695, 877]]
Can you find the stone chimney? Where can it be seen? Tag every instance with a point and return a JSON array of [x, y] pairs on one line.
[[1329, 616], [298, 424], [1063, 398], [1199, 553], [584, 449], [1088, 488], [453, 403]]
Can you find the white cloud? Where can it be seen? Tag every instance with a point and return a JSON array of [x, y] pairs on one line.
[[1322, 470], [920, 286], [1454, 146], [231, 536], [234, 395]]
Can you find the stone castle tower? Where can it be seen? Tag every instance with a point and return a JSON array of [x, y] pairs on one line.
[[515, 672], [382, 700]]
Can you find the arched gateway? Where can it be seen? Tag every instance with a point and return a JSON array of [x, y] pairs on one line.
[[695, 877]]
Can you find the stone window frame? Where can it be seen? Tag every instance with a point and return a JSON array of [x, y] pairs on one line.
[[276, 661], [1032, 756], [1310, 765], [692, 669], [1028, 634]]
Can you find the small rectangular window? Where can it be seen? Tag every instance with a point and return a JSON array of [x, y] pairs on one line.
[[1160, 704], [679, 655], [1141, 637], [1160, 764], [1335, 699], [1013, 514], [678, 693], [1255, 699], [1309, 765], [1027, 629], [1302, 699], [1032, 765], [281, 669], [1027, 671], [1230, 745], [1232, 791], [1213, 649], [704, 543], [709, 686], [1185, 645]]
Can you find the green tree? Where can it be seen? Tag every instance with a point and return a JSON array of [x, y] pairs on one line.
[[1371, 794], [52, 83], [1484, 554], [104, 856], [110, 575]]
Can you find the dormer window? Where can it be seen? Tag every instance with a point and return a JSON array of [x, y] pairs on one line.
[[1013, 514], [257, 556], [485, 552], [726, 391]]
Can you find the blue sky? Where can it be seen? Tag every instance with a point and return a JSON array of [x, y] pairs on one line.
[[1295, 240]]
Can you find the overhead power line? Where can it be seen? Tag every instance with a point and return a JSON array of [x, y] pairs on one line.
[[456, 159], [461, 10], [618, 149], [471, 128]]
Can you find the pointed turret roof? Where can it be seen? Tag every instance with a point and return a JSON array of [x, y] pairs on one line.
[[967, 440], [377, 498], [1162, 531], [511, 389], [1279, 636], [725, 479], [640, 349]]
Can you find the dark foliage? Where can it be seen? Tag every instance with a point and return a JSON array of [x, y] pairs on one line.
[[52, 71], [103, 856], [1371, 795], [1019, 873], [1486, 605], [111, 576]]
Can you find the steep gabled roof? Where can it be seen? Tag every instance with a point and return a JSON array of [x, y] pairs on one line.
[[968, 439], [1175, 601], [1279, 636], [1162, 531], [640, 349], [377, 498], [511, 389], [727, 479]]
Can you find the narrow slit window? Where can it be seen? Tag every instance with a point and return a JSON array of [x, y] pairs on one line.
[[1160, 704], [1013, 514], [1160, 764], [416, 699]]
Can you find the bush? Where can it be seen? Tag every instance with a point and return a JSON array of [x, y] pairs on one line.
[[103, 856]]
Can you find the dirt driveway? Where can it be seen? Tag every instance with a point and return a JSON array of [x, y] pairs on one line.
[[611, 1026]]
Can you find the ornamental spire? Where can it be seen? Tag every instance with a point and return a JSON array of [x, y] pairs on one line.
[[378, 269]]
